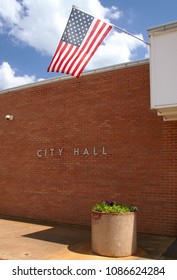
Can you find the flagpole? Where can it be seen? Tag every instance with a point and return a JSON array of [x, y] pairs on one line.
[[120, 29], [131, 35]]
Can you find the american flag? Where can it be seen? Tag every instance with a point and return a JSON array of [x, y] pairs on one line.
[[81, 38]]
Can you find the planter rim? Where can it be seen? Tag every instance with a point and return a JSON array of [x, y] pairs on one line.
[[108, 213]]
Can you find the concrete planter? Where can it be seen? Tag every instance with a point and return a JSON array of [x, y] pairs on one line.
[[114, 235]]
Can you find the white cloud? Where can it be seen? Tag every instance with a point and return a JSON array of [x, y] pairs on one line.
[[114, 13], [118, 48], [10, 10], [40, 24], [1, 27], [9, 79]]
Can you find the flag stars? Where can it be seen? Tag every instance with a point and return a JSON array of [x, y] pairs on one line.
[[77, 27], [81, 38]]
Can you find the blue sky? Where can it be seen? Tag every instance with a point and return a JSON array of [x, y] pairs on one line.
[[31, 29]]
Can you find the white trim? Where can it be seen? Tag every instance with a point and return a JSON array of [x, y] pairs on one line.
[[162, 28], [63, 78]]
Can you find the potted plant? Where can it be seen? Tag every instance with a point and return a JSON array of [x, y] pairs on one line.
[[114, 229]]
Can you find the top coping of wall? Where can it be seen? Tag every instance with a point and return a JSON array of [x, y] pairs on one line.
[[92, 72], [162, 28]]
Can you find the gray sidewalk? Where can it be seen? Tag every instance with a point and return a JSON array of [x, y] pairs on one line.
[[21, 240]]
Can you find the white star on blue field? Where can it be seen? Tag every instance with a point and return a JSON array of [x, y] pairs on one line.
[[77, 27]]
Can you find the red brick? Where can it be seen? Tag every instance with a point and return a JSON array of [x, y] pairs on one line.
[[110, 109]]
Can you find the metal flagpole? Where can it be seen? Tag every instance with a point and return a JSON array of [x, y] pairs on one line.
[[131, 35], [123, 30]]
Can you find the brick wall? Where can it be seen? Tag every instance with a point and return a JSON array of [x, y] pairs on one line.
[[97, 139]]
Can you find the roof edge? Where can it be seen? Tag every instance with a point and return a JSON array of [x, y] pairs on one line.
[[63, 78], [163, 27]]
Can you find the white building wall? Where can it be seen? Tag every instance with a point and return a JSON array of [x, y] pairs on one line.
[[163, 67]]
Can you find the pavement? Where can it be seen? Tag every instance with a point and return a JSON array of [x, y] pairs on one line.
[[21, 240]]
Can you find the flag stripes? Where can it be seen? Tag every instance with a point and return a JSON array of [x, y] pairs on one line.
[[72, 59]]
